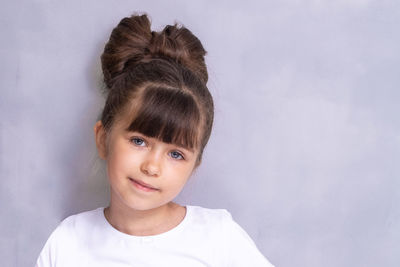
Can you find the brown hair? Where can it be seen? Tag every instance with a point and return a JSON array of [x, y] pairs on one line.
[[160, 78]]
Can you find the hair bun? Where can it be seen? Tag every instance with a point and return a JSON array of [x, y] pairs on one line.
[[132, 42], [180, 44]]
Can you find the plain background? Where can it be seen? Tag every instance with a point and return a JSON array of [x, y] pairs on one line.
[[305, 151]]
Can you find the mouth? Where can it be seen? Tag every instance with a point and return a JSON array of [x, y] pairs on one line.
[[143, 186]]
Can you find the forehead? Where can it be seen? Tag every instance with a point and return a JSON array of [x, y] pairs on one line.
[[170, 115], [123, 121]]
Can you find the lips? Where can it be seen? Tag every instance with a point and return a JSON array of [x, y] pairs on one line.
[[143, 185]]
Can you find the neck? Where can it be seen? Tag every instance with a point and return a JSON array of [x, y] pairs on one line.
[[143, 222]]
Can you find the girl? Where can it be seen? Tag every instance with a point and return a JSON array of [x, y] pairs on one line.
[[156, 121]]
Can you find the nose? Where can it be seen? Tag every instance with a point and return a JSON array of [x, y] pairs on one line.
[[151, 165]]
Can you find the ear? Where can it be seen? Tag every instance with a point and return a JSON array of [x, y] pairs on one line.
[[100, 138]]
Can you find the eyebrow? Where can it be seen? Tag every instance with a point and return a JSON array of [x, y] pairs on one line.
[[182, 146], [187, 148]]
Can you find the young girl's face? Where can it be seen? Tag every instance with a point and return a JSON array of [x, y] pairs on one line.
[[134, 160]]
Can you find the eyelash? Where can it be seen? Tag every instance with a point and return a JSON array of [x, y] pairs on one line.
[[179, 154], [134, 139]]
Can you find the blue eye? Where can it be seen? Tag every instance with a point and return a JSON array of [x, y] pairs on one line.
[[137, 141], [176, 155]]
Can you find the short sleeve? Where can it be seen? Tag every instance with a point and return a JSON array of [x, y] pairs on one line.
[[58, 247], [240, 248], [47, 256]]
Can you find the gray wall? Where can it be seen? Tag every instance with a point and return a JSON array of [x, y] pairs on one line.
[[306, 146]]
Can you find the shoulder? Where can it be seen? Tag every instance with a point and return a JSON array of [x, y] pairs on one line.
[[82, 219], [238, 247], [65, 236], [220, 218], [208, 219], [208, 214], [76, 223]]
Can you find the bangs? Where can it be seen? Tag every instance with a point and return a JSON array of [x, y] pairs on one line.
[[169, 115]]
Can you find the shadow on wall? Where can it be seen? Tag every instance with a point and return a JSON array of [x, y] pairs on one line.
[[87, 187]]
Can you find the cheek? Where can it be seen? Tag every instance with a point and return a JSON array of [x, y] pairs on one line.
[[120, 162], [179, 175]]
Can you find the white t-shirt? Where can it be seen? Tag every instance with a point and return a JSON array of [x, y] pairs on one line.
[[205, 237]]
